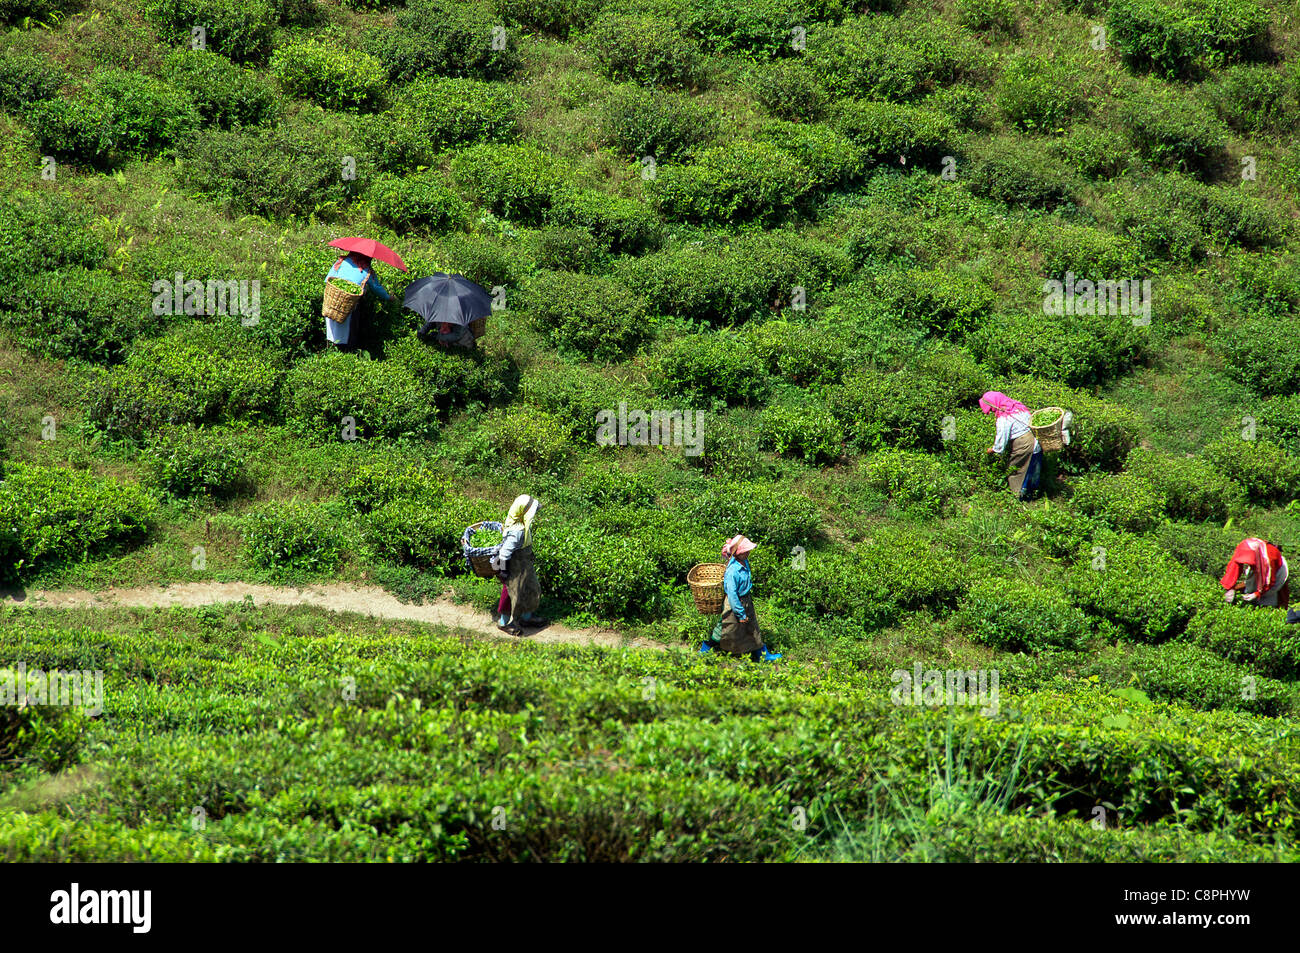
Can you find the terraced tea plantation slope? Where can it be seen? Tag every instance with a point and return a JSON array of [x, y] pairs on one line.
[[242, 735], [816, 231]]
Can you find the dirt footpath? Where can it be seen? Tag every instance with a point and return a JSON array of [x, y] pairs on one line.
[[364, 600]]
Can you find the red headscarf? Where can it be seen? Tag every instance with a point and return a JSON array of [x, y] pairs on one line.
[[1001, 404], [1264, 557]]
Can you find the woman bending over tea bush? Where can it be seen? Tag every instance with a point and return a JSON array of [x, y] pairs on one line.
[[737, 631], [1013, 427]]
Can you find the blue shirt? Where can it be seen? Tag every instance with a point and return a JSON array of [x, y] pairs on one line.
[[340, 332], [737, 582]]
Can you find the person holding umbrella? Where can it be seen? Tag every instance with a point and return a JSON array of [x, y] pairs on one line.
[[352, 333], [448, 304]]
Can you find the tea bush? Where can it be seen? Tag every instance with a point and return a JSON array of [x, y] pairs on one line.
[[1202, 680], [1255, 637], [587, 314], [517, 182], [1060, 533], [700, 368], [1267, 472], [115, 115], [241, 31], [1258, 352], [422, 532], [729, 450], [50, 515], [1139, 587], [1095, 152], [989, 16], [644, 49], [758, 29], [882, 57], [560, 248], [727, 282], [224, 93], [380, 398], [1017, 616], [291, 168], [1255, 99], [948, 302], [808, 431], [768, 514], [894, 133], [914, 481], [452, 378], [639, 122], [877, 410], [1078, 350], [432, 114], [534, 440], [27, 78], [385, 477], [557, 18], [1178, 39], [198, 373], [484, 259], [1038, 94], [600, 573], [77, 313], [36, 227], [1086, 251], [1194, 490], [1176, 217], [738, 181], [790, 90], [329, 75], [874, 585], [48, 737], [1174, 132], [439, 37], [1123, 501], [802, 354], [1017, 174], [576, 394], [186, 462], [831, 157], [623, 225], [422, 199], [291, 539]]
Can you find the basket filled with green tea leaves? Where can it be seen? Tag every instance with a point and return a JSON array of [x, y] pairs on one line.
[[1046, 425], [480, 543], [341, 297]]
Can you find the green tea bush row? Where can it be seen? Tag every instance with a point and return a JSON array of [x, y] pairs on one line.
[[1018, 616], [335, 392], [329, 75], [1258, 638], [291, 538], [442, 38], [225, 93]]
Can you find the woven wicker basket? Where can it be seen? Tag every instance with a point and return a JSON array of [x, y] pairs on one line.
[[337, 304], [482, 564], [705, 581], [478, 327], [1049, 436]]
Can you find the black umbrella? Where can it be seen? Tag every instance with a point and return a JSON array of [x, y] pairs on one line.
[[450, 298]]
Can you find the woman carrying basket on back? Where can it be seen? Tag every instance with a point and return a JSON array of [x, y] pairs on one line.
[[737, 631], [348, 334], [1013, 429], [520, 591]]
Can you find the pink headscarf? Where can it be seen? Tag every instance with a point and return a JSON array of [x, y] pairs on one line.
[[1003, 405], [737, 546]]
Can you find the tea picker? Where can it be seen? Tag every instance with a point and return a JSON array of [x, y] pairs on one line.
[[511, 561], [454, 307], [728, 589], [1257, 571], [1027, 438], [344, 306]]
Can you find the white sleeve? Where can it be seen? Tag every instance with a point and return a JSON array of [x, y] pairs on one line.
[[1000, 438]]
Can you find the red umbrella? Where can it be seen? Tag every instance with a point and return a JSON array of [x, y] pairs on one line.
[[371, 249]]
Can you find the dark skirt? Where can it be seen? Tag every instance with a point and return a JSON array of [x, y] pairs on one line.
[[1022, 455], [736, 636], [521, 583]]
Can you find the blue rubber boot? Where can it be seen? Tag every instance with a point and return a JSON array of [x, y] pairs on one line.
[[706, 647], [769, 656]]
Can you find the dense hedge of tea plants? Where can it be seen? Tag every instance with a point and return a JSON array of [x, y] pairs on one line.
[[754, 264]]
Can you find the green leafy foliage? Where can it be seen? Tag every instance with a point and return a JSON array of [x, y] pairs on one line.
[[186, 462], [225, 93], [776, 516], [1123, 501], [51, 515], [1267, 472], [1255, 637], [442, 38], [517, 182], [1193, 489], [534, 440], [436, 113], [640, 121], [711, 366], [291, 539], [422, 199], [335, 392], [1178, 39], [644, 49], [1174, 132], [807, 431], [329, 75], [586, 314], [240, 30], [738, 181], [1038, 94], [1018, 616], [914, 481]]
